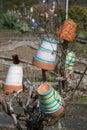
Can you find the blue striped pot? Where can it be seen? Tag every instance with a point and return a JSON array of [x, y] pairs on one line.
[[50, 101], [45, 57], [69, 63]]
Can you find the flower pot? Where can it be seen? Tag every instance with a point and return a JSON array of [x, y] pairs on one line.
[[45, 57], [50, 100], [14, 79], [67, 31], [69, 64], [69, 74]]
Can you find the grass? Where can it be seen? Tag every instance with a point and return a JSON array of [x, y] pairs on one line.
[[83, 34], [80, 49], [12, 33], [84, 99], [1, 86]]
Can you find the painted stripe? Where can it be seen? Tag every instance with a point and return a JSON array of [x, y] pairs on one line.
[[47, 111], [50, 99], [44, 98], [13, 83], [47, 50], [46, 95], [69, 65], [71, 52], [71, 61], [70, 55], [42, 95], [14, 75], [58, 99], [69, 69], [15, 66], [49, 41], [42, 60], [52, 107]]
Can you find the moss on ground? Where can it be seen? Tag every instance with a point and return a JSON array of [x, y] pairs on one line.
[[83, 99]]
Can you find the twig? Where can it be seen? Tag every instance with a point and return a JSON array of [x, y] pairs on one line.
[[11, 110], [81, 78], [79, 72], [72, 92], [81, 40], [30, 91]]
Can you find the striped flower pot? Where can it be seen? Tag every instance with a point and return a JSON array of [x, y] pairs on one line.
[[13, 79], [69, 64], [46, 55], [50, 101], [68, 31]]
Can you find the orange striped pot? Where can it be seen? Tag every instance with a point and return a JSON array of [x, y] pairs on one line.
[[68, 31], [14, 79], [45, 57]]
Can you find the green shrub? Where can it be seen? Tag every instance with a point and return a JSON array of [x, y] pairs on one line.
[[22, 26], [10, 20], [82, 99], [78, 14], [60, 14]]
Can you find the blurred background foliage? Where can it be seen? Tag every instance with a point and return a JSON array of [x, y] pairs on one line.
[[9, 4], [18, 15]]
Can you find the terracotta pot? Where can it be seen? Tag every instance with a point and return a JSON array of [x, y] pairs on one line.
[[67, 31], [68, 74], [45, 57], [43, 65], [11, 89], [50, 100], [57, 113], [14, 79]]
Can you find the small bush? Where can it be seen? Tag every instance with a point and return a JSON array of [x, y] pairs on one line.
[[79, 15], [60, 14], [10, 20]]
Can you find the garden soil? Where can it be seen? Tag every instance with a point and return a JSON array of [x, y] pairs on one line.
[[75, 115]]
